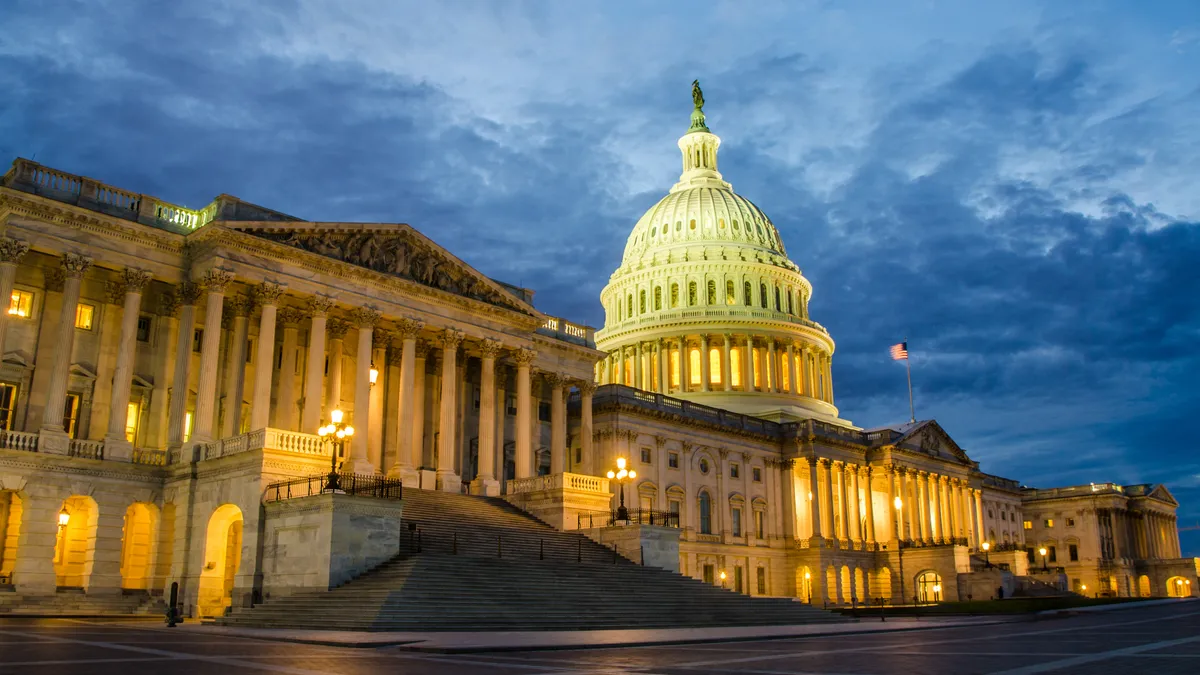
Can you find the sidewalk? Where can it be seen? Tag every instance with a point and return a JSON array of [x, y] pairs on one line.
[[466, 642], [1115, 606]]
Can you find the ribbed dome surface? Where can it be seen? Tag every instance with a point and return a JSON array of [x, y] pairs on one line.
[[698, 216]]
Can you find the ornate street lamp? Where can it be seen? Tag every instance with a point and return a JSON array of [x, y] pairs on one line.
[[64, 517], [621, 475], [722, 579], [987, 546], [373, 375], [1042, 552], [339, 432]]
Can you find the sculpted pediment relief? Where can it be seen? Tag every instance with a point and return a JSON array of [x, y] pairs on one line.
[[402, 252], [932, 440]]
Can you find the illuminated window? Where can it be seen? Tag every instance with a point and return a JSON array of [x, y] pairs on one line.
[[657, 298], [628, 373], [712, 292], [735, 366], [691, 294], [714, 365], [21, 305], [674, 296], [674, 367], [757, 366], [71, 415], [1049, 522], [1029, 524], [786, 376], [694, 366], [84, 314], [730, 293], [187, 427], [8, 404], [692, 225], [132, 416]]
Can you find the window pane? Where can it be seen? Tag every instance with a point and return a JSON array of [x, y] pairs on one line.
[[22, 304], [694, 365], [674, 367], [131, 423], [714, 365], [83, 316], [735, 366]]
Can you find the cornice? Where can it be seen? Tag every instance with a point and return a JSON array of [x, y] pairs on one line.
[[93, 468], [677, 419], [78, 218]]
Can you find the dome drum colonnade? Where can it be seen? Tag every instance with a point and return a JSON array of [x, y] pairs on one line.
[[707, 305]]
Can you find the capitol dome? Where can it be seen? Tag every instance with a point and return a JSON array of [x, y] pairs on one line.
[[706, 305]]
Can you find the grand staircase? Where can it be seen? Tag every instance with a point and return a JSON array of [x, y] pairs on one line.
[[476, 563], [78, 603]]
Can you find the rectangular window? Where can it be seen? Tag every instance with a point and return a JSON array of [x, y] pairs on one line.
[[673, 460], [735, 366], [709, 575], [736, 522], [8, 404], [737, 580], [131, 422], [734, 470], [543, 411], [1049, 522], [71, 415], [1003, 515], [714, 365], [1073, 552], [1070, 522], [646, 456], [694, 366], [1051, 554], [761, 573], [510, 406], [756, 376], [759, 526], [673, 506], [674, 367], [197, 340], [756, 474], [187, 427], [21, 304], [1029, 524], [143, 329], [84, 316], [646, 503]]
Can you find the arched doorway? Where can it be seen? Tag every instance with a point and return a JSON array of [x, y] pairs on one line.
[[831, 585], [882, 583], [138, 546], [861, 592], [1179, 587], [11, 509], [75, 545], [929, 587], [1143, 586], [847, 585], [222, 556]]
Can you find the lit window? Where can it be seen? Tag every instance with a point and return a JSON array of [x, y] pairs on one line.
[[8, 404], [735, 366], [657, 298], [786, 376], [762, 580], [71, 415], [712, 292], [1029, 524], [1049, 522], [187, 427], [84, 315], [730, 293], [757, 374], [714, 365], [22, 304], [674, 296], [694, 365], [692, 297], [759, 530], [131, 422], [674, 367]]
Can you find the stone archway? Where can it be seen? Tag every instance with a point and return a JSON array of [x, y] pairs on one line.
[[139, 546], [1143, 586], [804, 584], [929, 587], [1179, 587], [222, 557], [11, 510], [75, 543]]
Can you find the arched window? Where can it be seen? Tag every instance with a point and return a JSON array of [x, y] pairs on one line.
[[657, 298], [735, 226], [673, 366], [705, 513], [778, 306], [762, 292], [692, 294], [629, 305], [730, 294], [789, 297], [692, 225], [642, 302], [674, 296], [749, 295], [735, 366], [712, 292], [929, 587], [714, 365], [694, 366], [665, 228]]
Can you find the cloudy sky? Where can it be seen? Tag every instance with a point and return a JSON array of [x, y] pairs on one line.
[[1012, 185]]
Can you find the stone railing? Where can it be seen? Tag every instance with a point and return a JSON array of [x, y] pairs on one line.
[[86, 449], [559, 481], [149, 457], [19, 440], [617, 393], [267, 439], [564, 330], [1073, 491]]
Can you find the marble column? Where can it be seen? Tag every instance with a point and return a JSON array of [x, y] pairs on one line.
[[979, 536], [793, 383], [485, 482], [664, 364], [814, 502], [235, 365], [685, 365], [337, 347], [267, 294], [314, 367], [891, 533], [447, 479], [116, 447], [856, 529], [381, 341], [944, 498], [11, 253], [772, 367], [558, 422], [826, 497], [726, 365], [73, 269], [357, 460], [621, 367], [286, 406], [406, 461], [869, 503], [215, 282], [914, 514], [843, 500], [829, 379], [639, 370], [419, 406], [705, 365], [748, 365], [186, 293], [586, 391], [164, 360], [523, 450]]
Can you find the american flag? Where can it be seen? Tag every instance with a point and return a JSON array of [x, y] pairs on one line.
[[900, 351]]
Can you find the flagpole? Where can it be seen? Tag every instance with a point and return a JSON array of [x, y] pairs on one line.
[[908, 367]]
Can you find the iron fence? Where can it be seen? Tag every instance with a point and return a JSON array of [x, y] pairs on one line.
[[592, 519], [360, 485]]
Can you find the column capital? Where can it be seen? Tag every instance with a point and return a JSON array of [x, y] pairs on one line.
[[365, 317], [812, 461], [135, 279], [267, 293], [337, 327], [865, 470], [588, 387], [168, 303], [382, 338], [825, 462], [188, 292], [12, 250], [490, 348], [524, 356], [290, 317], [241, 305], [319, 305], [451, 338], [114, 292], [410, 328], [422, 351], [556, 380], [216, 279], [74, 266]]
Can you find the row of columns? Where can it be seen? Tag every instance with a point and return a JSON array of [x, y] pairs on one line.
[[1160, 537], [787, 366]]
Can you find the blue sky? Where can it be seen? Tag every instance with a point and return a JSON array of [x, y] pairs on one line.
[[1010, 185]]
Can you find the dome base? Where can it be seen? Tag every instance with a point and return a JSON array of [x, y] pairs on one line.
[[773, 407]]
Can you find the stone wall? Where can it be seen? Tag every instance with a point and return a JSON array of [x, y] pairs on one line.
[[649, 545]]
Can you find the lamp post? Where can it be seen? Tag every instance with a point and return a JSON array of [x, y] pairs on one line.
[[899, 503], [64, 517], [808, 588], [722, 579], [937, 592], [1042, 552], [621, 475], [987, 558], [340, 432]]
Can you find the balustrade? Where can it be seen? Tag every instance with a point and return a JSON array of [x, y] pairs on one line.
[[86, 449], [19, 440]]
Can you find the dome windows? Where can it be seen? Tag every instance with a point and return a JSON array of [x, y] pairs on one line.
[[721, 223], [712, 292], [762, 292], [674, 296], [691, 294], [735, 226], [748, 294], [665, 228], [730, 293], [658, 298], [678, 225], [642, 301], [692, 225]]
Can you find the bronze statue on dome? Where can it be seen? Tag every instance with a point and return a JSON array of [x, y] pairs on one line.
[[697, 95]]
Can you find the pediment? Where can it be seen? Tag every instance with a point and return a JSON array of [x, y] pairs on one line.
[[397, 250], [1161, 493], [83, 370], [929, 438]]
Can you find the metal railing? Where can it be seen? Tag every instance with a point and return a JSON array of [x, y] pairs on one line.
[[590, 519], [360, 485]]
